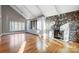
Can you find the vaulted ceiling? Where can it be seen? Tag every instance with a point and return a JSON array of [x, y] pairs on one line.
[[35, 11]]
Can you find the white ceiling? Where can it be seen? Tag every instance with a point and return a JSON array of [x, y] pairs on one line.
[[34, 11], [48, 10], [67, 8]]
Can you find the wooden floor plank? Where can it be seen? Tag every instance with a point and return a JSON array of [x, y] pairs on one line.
[[27, 43]]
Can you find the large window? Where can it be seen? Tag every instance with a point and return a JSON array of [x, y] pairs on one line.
[[17, 26]]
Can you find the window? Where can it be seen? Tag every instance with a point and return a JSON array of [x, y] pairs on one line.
[[34, 24], [17, 26], [66, 29]]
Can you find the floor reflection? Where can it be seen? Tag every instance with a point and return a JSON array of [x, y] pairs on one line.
[[11, 43], [27, 42], [16, 40]]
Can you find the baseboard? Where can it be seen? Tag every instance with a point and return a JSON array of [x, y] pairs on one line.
[[17, 32]]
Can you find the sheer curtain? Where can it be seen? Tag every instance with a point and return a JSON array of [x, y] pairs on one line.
[[17, 26]]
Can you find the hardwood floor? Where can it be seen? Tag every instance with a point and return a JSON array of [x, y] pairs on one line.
[[12, 43], [30, 43], [54, 46]]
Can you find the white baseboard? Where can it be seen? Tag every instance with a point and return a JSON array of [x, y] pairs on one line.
[[18, 32]]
